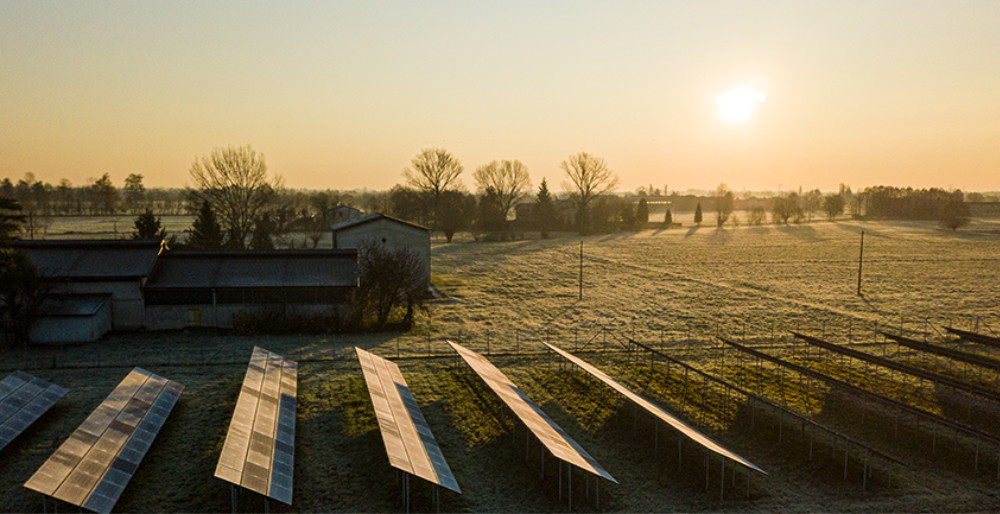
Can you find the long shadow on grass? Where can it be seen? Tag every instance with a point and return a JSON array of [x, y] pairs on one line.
[[803, 232], [784, 456]]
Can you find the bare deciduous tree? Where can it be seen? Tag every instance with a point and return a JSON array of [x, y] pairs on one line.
[[508, 180], [434, 171], [234, 181], [390, 278], [589, 178], [723, 204]]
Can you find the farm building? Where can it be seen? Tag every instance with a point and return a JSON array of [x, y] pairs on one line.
[[115, 267], [208, 288], [72, 318], [390, 232], [341, 213]]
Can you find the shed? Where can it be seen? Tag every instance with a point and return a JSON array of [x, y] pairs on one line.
[[72, 318], [208, 288], [105, 266], [389, 231]]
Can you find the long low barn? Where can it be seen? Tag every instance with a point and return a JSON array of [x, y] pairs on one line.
[[208, 288], [118, 268]]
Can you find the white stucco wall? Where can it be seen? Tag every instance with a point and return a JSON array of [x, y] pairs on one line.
[[393, 235], [174, 317]]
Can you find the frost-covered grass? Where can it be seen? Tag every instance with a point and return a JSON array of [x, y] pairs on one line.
[[673, 290]]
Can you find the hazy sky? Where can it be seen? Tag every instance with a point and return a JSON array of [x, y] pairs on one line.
[[342, 95]]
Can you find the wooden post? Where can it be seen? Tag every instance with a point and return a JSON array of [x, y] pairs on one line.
[[581, 270]]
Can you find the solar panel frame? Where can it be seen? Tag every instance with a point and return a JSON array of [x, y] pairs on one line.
[[409, 442], [86, 469], [23, 399], [259, 451], [551, 435], [656, 410]]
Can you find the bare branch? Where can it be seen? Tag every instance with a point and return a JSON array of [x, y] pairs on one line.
[[508, 180], [434, 171], [234, 181], [589, 177]]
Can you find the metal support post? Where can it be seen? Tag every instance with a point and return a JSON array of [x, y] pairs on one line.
[[864, 476], [570, 491], [847, 449], [722, 480]]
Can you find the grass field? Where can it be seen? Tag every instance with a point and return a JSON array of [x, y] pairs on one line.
[[670, 289]]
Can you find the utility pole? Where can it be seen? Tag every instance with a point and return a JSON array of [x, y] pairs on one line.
[[861, 257], [581, 270]]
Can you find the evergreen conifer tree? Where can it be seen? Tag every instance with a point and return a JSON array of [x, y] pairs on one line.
[[263, 228], [642, 213], [544, 212], [697, 214], [148, 226], [205, 233], [668, 219]]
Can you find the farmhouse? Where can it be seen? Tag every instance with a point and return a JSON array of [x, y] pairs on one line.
[[391, 232], [208, 288], [118, 268]]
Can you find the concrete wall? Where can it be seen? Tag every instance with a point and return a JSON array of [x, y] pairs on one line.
[[72, 329], [393, 235], [127, 306], [174, 317]]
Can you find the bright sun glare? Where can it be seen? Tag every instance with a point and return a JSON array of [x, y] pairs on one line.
[[738, 103]]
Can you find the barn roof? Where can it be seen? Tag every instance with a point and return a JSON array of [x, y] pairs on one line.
[[368, 218], [98, 259], [61, 305], [255, 269]]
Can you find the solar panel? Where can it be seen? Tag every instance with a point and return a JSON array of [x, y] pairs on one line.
[[259, 451], [23, 399], [92, 467], [656, 410], [408, 439], [558, 442]]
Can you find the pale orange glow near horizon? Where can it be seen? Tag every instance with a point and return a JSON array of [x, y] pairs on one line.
[[343, 95]]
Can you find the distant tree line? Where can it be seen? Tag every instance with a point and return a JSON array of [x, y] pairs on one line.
[[253, 209]]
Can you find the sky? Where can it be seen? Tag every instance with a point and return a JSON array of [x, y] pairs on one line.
[[342, 95]]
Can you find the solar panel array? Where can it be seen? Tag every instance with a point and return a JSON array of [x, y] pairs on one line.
[[93, 466], [259, 450], [408, 440], [656, 410], [558, 442], [23, 399]]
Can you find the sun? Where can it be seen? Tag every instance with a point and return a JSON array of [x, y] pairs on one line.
[[737, 104]]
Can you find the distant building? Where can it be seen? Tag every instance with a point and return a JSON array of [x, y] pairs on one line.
[[984, 209], [657, 204], [388, 231], [118, 268], [208, 288], [72, 318], [340, 214]]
